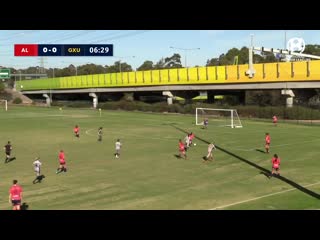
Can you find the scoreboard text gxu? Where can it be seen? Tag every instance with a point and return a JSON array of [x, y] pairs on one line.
[[43, 50]]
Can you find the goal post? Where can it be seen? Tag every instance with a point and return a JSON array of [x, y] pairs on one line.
[[218, 117], [5, 104]]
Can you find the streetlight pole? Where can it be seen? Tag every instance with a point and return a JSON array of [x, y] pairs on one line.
[[285, 39], [185, 54], [251, 43], [51, 87], [251, 70], [123, 58]]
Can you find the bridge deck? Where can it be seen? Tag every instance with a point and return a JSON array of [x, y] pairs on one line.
[[304, 74]]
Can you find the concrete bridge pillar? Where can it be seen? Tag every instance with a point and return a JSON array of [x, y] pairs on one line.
[[289, 94], [210, 97], [169, 98], [94, 100], [48, 100]]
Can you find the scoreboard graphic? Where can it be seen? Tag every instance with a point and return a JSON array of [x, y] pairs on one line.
[[58, 50]]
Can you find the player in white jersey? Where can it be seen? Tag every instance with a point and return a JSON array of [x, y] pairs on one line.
[[118, 147], [187, 141], [37, 166], [100, 134], [211, 147]]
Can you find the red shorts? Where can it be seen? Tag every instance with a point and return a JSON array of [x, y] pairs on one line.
[[62, 162]]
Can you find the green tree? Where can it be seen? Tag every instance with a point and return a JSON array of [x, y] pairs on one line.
[[312, 49], [90, 69], [173, 62], [213, 62], [119, 66], [269, 58], [73, 69], [243, 57], [169, 62], [229, 57], [147, 65], [260, 98], [159, 64]]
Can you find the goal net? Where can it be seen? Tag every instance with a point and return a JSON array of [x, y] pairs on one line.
[[218, 117]]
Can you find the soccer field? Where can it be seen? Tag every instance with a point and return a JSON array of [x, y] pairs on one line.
[[148, 175]]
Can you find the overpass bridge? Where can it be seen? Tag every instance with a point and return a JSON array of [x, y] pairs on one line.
[[281, 75]]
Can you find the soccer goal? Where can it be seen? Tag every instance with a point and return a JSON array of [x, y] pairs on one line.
[[218, 117]]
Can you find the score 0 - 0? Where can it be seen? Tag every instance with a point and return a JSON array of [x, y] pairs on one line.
[[49, 50]]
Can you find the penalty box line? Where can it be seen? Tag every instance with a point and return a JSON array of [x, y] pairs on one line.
[[268, 195]]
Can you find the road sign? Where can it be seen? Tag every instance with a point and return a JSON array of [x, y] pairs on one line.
[[5, 73]]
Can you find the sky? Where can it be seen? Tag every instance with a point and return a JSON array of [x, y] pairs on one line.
[[136, 46]]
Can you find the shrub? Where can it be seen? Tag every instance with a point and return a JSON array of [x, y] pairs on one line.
[[249, 111], [17, 100]]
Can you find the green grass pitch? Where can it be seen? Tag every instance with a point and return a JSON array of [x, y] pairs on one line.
[[148, 175]]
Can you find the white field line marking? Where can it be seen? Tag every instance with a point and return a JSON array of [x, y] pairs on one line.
[[89, 130], [273, 146], [25, 117], [268, 195], [135, 135]]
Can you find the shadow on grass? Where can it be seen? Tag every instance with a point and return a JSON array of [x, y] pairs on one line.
[[24, 206], [171, 124], [10, 159], [259, 150], [262, 169], [266, 174], [38, 179]]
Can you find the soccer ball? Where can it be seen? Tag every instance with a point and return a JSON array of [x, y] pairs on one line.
[[194, 144], [60, 108]]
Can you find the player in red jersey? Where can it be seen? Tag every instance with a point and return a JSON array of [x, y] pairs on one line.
[[268, 141], [275, 165], [182, 149], [62, 162], [191, 137], [275, 120], [15, 195], [76, 131]]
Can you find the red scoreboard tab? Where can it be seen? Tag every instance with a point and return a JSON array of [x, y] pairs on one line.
[[25, 50]]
